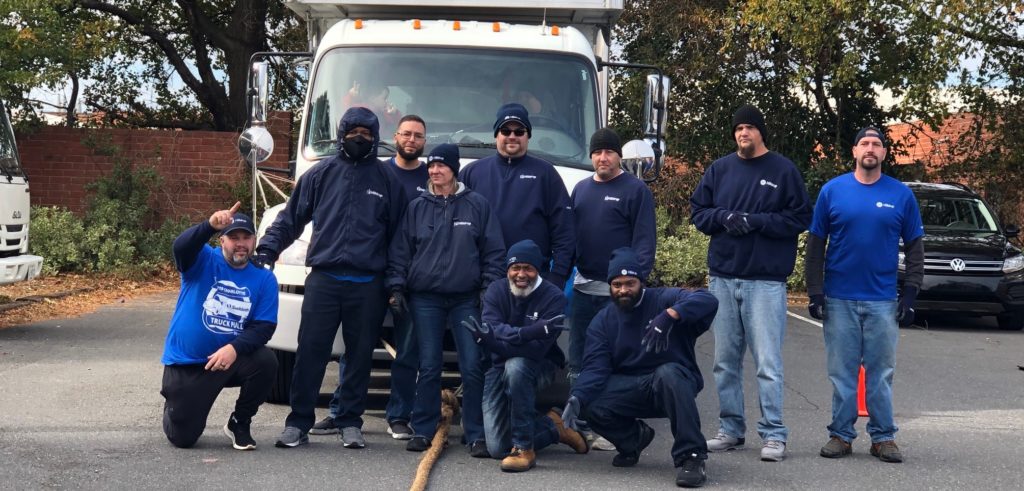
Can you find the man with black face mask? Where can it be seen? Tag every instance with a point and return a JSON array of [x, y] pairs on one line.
[[639, 363], [354, 204]]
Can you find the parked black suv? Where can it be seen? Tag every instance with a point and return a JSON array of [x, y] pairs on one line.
[[970, 266]]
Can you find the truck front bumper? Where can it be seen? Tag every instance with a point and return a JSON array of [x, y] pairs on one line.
[[19, 268]]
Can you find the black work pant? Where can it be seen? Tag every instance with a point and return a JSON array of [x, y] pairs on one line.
[[670, 391], [189, 392], [359, 308]]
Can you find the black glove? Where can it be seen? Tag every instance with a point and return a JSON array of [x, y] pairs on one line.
[[479, 330], [905, 309], [556, 279], [571, 414], [816, 307], [397, 303], [736, 223], [656, 337], [543, 328], [263, 260]]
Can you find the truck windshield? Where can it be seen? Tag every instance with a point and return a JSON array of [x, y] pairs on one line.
[[959, 214], [9, 166], [457, 92]]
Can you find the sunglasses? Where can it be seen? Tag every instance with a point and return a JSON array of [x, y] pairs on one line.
[[517, 131]]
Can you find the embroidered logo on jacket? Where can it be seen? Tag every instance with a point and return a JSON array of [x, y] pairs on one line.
[[463, 224], [883, 205], [611, 198], [374, 193], [765, 182], [226, 308], [527, 176]]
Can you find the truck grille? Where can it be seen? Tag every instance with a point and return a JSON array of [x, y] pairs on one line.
[[14, 228], [957, 265]]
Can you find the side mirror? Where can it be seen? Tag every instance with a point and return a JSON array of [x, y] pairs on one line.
[[1011, 231], [257, 94], [638, 159], [656, 106], [256, 144]]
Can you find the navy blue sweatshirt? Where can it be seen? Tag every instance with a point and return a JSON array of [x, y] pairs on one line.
[[414, 182], [531, 202], [613, 338], [770, 189], [354, 206], [610, 215], [506, 313], [447, 245]]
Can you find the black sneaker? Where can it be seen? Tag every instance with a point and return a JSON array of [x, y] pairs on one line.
[[417, 444], [624, 459], [238, 432], [692, 473], [399, 430], [325, 426], [478, 449]]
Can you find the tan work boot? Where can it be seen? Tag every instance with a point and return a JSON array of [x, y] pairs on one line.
[[519, 460], [568, 436]]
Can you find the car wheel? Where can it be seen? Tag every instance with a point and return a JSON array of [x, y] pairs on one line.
[[281, 390], [1011, 321]]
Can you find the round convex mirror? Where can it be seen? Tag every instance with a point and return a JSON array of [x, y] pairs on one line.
[[255, 144]]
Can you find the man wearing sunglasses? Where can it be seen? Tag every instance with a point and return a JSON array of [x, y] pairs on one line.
[[527, 194]]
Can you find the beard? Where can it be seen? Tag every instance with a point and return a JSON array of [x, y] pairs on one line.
[[410, 155], [523, 292], [627, 301], [869, 163], [237, 259]]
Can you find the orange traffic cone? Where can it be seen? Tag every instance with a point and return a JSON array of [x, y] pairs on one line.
[[862, 406]]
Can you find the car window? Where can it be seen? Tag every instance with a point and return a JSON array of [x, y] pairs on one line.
[[966, 214]]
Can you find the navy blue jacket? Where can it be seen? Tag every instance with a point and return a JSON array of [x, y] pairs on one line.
[[613, 338], [610, 215], [354, 206], [414, 182], [531, 202], [772, 191], [506, 313], [447, 245]]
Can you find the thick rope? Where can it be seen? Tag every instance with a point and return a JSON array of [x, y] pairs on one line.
[[449, 407]]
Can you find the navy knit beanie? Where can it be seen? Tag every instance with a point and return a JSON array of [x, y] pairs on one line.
[[870, 131], [447, 154], [606, 139], [525, 251], [623, 263], [513, 112], [751, 115]]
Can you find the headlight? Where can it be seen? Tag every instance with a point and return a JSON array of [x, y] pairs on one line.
[[295, 254], [1013, 263], [902, 265]]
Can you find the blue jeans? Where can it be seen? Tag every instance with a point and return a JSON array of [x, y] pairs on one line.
[[861, 332], [432, 313], [750, 313], [582, 309], [510, 413], [403, 373]]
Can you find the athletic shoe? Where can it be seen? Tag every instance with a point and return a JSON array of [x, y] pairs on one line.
[[835, 448], [399, 430], [602, 443], [519, 460], [773, 451], [723, 442], [352, 437], [325, 426], [630, 459], [417, 444], [238, 432], [692, 473], [478, 449], [291, 437], [886, 451]]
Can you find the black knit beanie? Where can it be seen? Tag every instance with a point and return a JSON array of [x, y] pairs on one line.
[[748, 114], [606, 139]]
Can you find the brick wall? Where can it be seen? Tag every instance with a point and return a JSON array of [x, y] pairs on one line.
[[198, 167]]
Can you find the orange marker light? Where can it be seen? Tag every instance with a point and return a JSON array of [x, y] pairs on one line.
[[416, 24], [359, 23], [456, 26], [554, 30], [496, 27]]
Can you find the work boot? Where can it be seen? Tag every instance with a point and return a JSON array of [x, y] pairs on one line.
[[417, 444], [568, 436], [519, 460], [629, 459], [692, 473], [886, 451], [836, 448], [723, 442]]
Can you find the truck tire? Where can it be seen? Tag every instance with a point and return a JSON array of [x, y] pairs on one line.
[[279, 392], [1011, 321]]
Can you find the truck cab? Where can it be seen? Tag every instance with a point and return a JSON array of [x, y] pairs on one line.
[[16, 264]]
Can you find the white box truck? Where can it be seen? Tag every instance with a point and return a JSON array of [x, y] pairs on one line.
[[16, 264], [453, 63]]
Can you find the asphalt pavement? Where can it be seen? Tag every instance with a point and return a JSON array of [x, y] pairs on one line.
[[80, 408]]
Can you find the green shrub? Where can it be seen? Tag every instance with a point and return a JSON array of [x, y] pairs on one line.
[[681, 259], [57, 235]]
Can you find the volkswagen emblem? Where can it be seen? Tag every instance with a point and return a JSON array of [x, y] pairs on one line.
[[957, 265]]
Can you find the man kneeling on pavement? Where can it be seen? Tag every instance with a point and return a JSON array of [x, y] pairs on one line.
[[522, 318], [639, 363]]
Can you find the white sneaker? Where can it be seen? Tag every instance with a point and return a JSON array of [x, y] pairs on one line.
[[773, 451], [723, 442], [601, 443]]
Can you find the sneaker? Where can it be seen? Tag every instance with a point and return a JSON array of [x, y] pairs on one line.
[[568, 436], [630, 459], [417, 444], [886, 451], [399, 430], [773, 451], [836, 448], [519, 460], [325, 426], [238, 432], [723, 442], [478, 449], [291, 437], [692, 473], [601, 443], [352, 437]]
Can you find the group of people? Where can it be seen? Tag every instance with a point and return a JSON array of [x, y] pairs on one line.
[[487, 250]]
